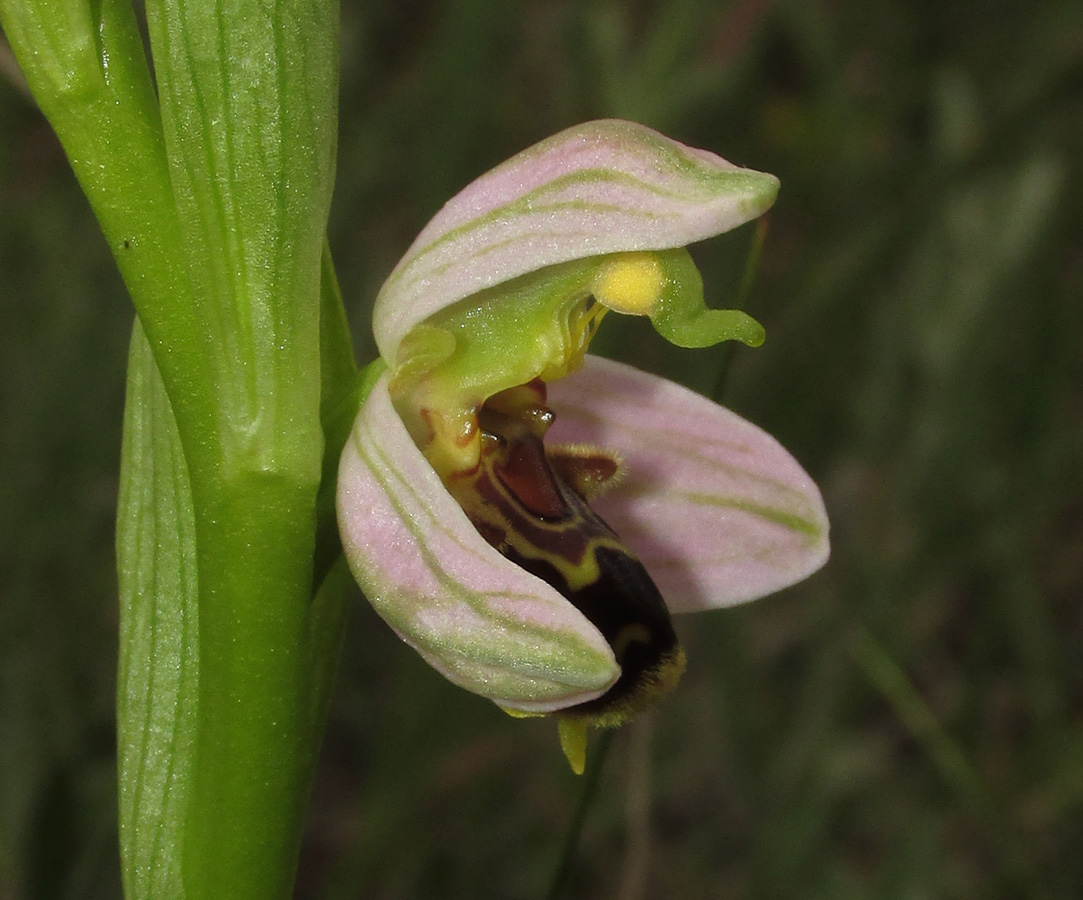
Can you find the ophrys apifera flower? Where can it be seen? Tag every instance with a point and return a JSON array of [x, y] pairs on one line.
[[525, 515]]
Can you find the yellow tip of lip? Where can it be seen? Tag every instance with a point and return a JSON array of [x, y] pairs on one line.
[[573, 741], [630, 283]]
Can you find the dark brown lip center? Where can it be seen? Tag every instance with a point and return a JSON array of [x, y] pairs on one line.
[[529, 509]]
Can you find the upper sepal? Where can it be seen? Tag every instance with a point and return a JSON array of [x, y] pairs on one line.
[[714, 507], [600, 187], [476, 617]]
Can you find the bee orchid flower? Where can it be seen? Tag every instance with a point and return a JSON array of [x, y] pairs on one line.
[[528, 516]]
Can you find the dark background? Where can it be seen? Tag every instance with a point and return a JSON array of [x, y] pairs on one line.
[[906, 724]]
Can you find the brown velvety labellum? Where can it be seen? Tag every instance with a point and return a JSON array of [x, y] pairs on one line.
[[533, 508]]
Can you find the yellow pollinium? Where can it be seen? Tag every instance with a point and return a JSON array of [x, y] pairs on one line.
[[631, 283]]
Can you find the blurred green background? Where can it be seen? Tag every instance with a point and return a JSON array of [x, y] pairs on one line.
[[906, 724]]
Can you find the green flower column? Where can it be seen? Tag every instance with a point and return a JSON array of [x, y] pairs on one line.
[[213, 195]]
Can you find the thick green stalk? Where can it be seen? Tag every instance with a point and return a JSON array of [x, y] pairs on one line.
[[248, 107], [214, 198], [87, 69]]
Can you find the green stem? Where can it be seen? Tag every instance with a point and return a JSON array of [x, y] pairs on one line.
[[254, 746], [86, 67], [575, 828], [212, 185], [886, 675], [748, 279]]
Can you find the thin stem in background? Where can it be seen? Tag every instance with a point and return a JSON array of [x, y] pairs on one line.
[[637, 811], [752, 262], [633, 881], [748, 278], [571, 840], [947, 757], [892, 682]]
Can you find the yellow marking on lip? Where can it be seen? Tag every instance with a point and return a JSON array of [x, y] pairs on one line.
[[634, 633]]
